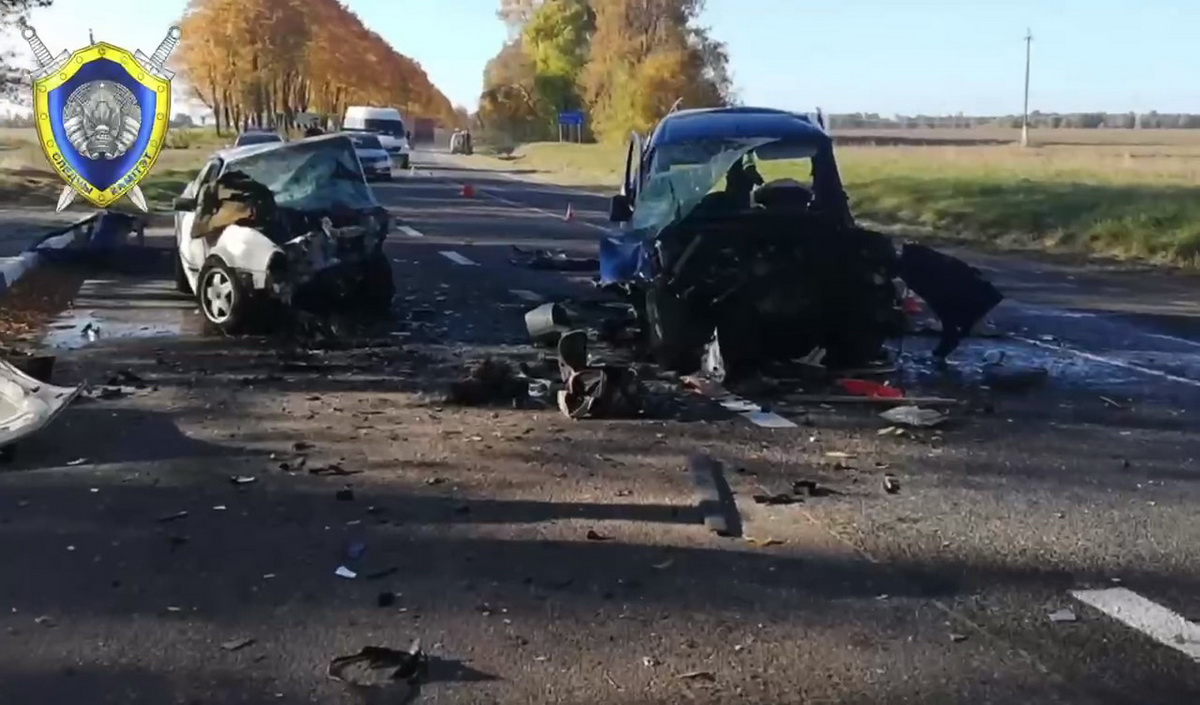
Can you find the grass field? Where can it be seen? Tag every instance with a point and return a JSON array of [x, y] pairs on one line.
[[1122, 193], [26, 178]]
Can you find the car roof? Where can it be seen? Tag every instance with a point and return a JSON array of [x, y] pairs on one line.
[[233, 154], [685, 126]]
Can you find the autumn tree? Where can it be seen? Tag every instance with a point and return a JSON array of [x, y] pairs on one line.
[[556, 38], [260, 62], [643, 56], [14, 83]]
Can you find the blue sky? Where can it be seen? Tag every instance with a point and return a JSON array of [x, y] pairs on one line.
[[886, 56]]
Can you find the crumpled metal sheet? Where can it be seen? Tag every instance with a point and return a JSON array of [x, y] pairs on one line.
[[27, 405]]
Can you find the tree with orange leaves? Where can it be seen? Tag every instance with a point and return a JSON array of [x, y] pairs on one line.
[[260, 62]]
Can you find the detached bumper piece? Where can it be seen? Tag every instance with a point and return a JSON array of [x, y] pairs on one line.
[[601, 391]]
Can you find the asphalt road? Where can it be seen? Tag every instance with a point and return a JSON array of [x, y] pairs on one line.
[[1023, 533]]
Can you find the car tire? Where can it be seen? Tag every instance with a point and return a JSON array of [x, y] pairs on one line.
[[378, 287], [675, 335], [224, 302], [182, 285]]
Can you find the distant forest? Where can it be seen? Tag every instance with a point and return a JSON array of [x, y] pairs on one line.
[[1117, 121]]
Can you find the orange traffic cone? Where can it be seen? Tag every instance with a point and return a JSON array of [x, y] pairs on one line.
[[468, 191], [570, 213]]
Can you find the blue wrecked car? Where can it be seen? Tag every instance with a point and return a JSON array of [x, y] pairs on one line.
[[710, 253]]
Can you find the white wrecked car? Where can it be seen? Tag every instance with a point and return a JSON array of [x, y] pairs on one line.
[[27, 405], [291, 223]]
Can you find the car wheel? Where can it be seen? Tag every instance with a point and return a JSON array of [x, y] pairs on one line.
[[223, 300], [377, 288], [182, 285], [675, 335]]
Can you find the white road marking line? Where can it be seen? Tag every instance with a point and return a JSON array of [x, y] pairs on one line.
[[1173, 339], [752, 412], [457, 258], [543, 211], [1110, 361], [410, 231], [1150, 618], [527, 295]]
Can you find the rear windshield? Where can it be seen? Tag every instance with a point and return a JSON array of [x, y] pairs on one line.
[[395, 128], [256, 138], [366, 141]]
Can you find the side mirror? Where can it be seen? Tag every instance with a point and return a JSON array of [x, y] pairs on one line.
[[183, 204], [620, 209]]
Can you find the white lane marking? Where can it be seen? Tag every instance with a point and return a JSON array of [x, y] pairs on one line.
[[410, 231], [752, 412], [457, 258], [1150, 618], [1173, 339], [527, 295], [1110, 361], [543, 211]]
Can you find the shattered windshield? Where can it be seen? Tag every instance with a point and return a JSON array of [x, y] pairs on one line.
[[311, 176], [683, 174]]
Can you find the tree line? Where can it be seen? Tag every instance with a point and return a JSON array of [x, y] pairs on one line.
[[259, 63], [624, 63], [1152, 120]]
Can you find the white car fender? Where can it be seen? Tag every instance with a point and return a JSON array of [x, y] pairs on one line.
[[27, 405], [247, 250]]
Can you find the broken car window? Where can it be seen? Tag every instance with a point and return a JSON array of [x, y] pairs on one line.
[[681, 175], [311, 176]]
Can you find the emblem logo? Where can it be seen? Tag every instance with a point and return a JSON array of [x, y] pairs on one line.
[[102, 115]]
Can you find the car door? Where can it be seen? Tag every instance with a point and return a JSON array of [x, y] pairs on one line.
[[633, 169], [193, 251]]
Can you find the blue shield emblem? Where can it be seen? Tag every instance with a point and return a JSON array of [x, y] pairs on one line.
[[102, 120]]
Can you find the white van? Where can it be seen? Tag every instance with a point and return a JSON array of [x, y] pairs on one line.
[[385, 122]]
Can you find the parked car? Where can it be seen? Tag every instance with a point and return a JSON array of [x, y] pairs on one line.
[[246, 139], [282, 223], [375, 160], [768, 271], [385, 122]]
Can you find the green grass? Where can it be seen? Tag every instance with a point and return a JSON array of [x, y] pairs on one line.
[[26, 178], [1138, 200]]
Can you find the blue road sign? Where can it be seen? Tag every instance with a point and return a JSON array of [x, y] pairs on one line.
[[573, 117]]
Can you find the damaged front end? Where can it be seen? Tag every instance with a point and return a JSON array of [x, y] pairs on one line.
[[296, 226], [27, 405], [758, 273]]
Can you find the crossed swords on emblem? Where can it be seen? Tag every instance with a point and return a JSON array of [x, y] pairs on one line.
[[154, 64]]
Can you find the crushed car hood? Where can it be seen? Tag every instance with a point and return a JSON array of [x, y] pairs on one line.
[[27, 405]]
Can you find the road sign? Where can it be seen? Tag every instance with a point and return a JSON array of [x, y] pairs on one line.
[[573, 117]]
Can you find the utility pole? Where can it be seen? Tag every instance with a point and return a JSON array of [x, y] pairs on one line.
[[1025, 115]]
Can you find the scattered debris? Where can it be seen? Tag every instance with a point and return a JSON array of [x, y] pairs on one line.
[[714, 496], [172, 517], [546, 323], [890, 484], [593, 535], [553, 260], [344, 495], [1112, 403], [777, 499], [237, 644], [595, 391], [331, 469], [840, 455], [764, 543], [698, 675], [870, 389], [44, 620], [664, 565], [958, 638], [1063, 615], [76, 462], [650, 661], [344, 572], [243, 479], [811, 488], [489, 382], [914, 416], [379, 667]]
